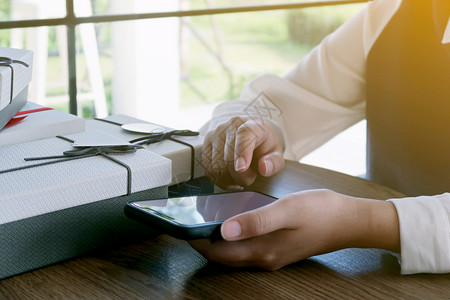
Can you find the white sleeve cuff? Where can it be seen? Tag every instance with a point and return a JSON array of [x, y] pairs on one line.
[[424, 233]]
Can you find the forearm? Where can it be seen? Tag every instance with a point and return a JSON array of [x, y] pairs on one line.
[[418, 226], [378, 225]]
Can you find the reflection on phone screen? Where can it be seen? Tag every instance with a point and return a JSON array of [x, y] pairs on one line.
[[193, 210]]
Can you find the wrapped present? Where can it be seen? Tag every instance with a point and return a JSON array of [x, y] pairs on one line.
[[64, 196], [182, 147], [15, 75], [35, 122], [8, 112]]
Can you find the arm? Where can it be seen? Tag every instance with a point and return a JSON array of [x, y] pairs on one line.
[[301, 225], [314, 108], [323, 95], [304, 116], [314, 222]]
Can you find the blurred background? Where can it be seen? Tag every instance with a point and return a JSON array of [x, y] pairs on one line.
[[172, 70]]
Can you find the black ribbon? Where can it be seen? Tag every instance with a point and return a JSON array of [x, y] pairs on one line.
[[6, 62], [153, 138], [158, 137], [84, 152]]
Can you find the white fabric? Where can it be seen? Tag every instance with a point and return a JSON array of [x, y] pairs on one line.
[[425, 233], [446, 38], [323, 95]]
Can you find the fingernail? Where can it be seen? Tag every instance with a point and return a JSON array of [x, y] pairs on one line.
[[231, 230], [269, 167], [235, 187], [240, 164]]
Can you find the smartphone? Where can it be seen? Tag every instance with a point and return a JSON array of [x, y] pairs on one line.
[[195, 217]]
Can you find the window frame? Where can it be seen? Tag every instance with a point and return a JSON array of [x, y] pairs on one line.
[[71, 21]]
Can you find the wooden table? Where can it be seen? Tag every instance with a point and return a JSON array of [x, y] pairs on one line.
[[166, 268]]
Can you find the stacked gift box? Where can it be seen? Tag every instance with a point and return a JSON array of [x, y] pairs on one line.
[[15, 75], [64, 181], [36, 122]]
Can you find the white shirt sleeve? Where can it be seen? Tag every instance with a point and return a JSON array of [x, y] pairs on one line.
[[323, 95], [424, 233]]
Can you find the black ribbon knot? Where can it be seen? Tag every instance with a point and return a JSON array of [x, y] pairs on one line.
[[82, 152], [6, 62], [158, 137], [153, 138]]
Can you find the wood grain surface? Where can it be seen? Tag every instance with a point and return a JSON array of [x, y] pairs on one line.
[[166, 268]]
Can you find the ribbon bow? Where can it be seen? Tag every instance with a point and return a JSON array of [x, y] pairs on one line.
[[6, 62], [158, 137], [83, 152]]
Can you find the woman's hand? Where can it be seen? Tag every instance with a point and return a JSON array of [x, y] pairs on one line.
[[237, 150], [301, 225]]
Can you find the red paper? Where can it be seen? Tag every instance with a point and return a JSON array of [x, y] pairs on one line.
[[16, 120]]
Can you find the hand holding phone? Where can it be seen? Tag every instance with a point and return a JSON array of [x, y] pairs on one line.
[[300, 225], [195, 217]]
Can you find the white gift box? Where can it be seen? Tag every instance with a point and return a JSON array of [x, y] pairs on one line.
[[8, 112], [56, 211], [181, 156], [22, 74], [40, 124]]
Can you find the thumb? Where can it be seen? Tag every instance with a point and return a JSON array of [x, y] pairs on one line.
[[270, 164], [249, 136], [254, 223]]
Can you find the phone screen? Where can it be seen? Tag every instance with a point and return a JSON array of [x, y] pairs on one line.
[[194, 210]]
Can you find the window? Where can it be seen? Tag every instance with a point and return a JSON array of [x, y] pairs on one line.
[[167, 62]]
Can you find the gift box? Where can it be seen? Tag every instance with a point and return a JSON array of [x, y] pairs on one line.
[[8, 112], [58, 206], [184, 151], [15, 73], [35, 122]]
